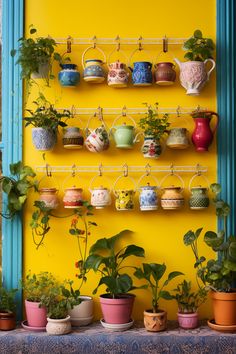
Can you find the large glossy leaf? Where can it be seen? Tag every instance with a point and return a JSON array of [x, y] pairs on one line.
[[165, 295], [7, 185], [132, 250], [139, 273], [16, 168], [107, 243], [94, 261], [157, 270], [22, 186], [214, 240], [216, 188], [171, 276], [230, 265], [119, 285], [214, 266]]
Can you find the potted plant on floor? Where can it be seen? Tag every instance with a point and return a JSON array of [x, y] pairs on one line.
[[154, 128], [193, 73], [105, 258], [217, 274], [188, 303], [58, 302], [80, 229], [155, 319], [36, 287], [7, 309], [45, 120], [17, 187]]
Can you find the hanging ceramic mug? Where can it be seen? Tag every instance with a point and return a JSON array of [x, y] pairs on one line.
[[164, 73], [48, 194], [100, 196], [118, 75], [124, 196], [148, 200], [72, 138], [141, 70], [172, 196], [93, 68], [177, 138], [199, 199], [97, 140], [73, 198], [124, 135], [69, 76], [203, 134]]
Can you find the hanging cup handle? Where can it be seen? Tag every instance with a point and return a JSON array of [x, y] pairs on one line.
[[138, 50], [119, 51], [198, 175], [123, 116], [175, 175], [72, 175], [92, 181], [118, 178], [87, 130], [52, 178], [136, 140], [94, 48], [212, 68], [147, 175]]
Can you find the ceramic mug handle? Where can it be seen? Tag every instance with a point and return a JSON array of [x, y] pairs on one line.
[[212, 68], [195, 176], [118, 178], [175, 175], [217, 121]]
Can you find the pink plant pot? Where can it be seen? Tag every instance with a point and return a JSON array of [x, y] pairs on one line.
[[188, 320], [36, 316], [117, 310]]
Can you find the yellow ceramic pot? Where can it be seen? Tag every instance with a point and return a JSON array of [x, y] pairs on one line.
[[124, 199]]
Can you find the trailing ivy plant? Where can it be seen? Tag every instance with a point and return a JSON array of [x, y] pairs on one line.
[[17, 187], [198, 48], [40, 222]]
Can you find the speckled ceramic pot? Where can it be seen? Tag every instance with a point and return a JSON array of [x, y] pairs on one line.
[[199, 199], [124, 199]]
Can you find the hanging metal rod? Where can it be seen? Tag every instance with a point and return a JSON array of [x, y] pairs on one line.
[[110, 169], [128, 41], [113, 111]]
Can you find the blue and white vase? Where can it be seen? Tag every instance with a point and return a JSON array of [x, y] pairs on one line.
[[94, 72], [44, 139], [142, 73], [69, 76], [148, 198]]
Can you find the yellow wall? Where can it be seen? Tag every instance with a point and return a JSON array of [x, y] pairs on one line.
[[161, 232]]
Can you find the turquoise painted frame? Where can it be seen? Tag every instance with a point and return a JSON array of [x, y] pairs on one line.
[[12, 30]]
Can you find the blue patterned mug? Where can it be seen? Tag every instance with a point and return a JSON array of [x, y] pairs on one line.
[[142, 73]]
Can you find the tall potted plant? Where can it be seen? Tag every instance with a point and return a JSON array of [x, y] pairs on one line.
[[154, 127], [105, 258], [193, 73], [155, 319], [45, 120], [217, 274]]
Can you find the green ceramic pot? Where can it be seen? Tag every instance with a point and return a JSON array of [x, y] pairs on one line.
[[199, 199]]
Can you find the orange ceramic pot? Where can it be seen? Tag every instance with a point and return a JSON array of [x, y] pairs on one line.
[[49, 197], [172, 198], [224, 307], [155, 322], [7, 321]]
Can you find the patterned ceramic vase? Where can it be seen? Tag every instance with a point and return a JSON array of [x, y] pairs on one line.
[[178, 138], [155, 322], [142, 73], [73, 198], [151, 148], [69, 76], [124, 199], [44, 139], [97, 140], [72, 138], [165, 74], [49, 197], [117, 75], [172, 198], [148, 198], [124, 136], [188, 320], [199, 199]]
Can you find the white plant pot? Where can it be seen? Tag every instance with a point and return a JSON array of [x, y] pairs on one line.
[[82, 314], [43, 71], [56, 327]]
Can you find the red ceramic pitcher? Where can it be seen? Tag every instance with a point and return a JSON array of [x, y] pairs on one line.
[[203, 133]]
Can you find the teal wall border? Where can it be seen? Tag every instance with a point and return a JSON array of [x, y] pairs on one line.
[[12, 30], [226, 96]]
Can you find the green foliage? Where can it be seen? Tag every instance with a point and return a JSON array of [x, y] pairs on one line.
[[151, 124], [40, 222], [7, 300], [104, 257], [218, 273], [80, 228], [17, 187], [36, 286], [198, 113], [188, 300], [198, 48], [153, 273], [46, 116], [34, 52], [59, 300]]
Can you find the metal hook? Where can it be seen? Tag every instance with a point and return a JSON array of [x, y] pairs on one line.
[[68, 43], [148, 169], [165, 44], [100, 170], [94, 39], [73, 170], [73, 111], [48, 173], [117, 39], [140, 46], [198, 169], [124, 111], [100, 114], [172, 169], [126, 170], [178, 111]]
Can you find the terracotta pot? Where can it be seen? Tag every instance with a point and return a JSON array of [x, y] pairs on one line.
[[49, 197], [36, 316], [155, 321], [82, 314], [7, 321], [188, 320], [117, 310], [165, 74], [172, 198], [58, 327], [224, 307]]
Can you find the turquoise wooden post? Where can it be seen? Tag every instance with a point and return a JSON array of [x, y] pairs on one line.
[[12, 30], [226, 96]]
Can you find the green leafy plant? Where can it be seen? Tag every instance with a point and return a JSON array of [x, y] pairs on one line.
[[188, 300], [37, 285], [153, 273], [40, 222], [219, 273], [17, 187], [46, 116], [80, 228], [7, 300], [60, 299], [198, 48], [34, 52], [201, 114], [104, 258], [152, 124]]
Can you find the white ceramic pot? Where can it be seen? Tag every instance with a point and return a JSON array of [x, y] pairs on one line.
[[82, 314], [100, 197], [56, 327]]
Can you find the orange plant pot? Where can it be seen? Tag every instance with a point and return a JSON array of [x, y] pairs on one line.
[[224, 308], [155, 322]]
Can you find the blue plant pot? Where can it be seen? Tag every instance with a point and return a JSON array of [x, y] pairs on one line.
[[69, 76], [44, 139]]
